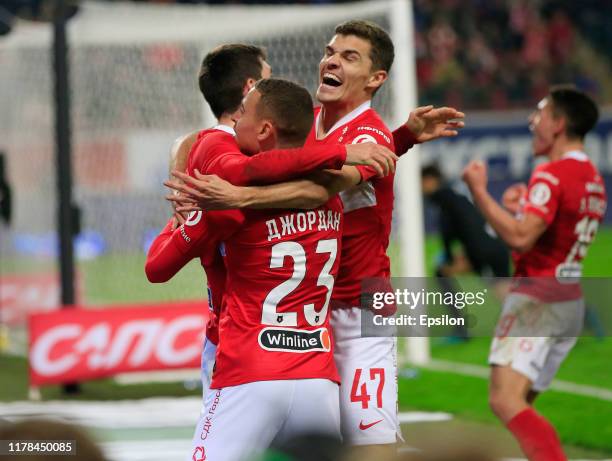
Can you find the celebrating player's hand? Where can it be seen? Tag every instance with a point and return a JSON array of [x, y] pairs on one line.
[[511, 200], [204, 192], [475, 175], [378, 157], [179, 217], [428, 123]]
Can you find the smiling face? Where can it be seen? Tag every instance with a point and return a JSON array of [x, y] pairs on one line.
[[345, 72], [544, 128]]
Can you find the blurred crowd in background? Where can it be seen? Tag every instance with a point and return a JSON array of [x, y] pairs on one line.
[[503, 54]]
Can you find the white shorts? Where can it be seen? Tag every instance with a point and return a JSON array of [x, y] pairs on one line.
[[209, 352], [240, 422], [534, 338], [368, 372]]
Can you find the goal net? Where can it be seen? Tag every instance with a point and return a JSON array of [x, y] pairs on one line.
[[133, 80]]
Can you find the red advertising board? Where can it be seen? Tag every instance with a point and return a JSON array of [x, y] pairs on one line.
[[78, 344]]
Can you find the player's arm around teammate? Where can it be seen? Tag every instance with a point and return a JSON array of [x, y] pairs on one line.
[[278, 165], [210, 192]]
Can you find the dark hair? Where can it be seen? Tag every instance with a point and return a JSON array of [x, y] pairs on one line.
[[579, 110], [223, 73], [289, 107], [382, 51], [431, 171]]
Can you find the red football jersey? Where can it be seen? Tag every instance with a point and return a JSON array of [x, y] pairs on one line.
[[216, 152], [569, 194], [368, 207], [275, 323], [172, 249], [281, 265]]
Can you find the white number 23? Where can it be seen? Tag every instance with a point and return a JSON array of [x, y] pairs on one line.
[[269, 315]]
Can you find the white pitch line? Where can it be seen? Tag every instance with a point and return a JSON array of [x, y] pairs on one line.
[[155, 412], [147, 450], [558, 385], [150, 413], [411, 417]]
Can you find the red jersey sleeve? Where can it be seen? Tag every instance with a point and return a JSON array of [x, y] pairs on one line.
[[403, 139], [543, 194], [199, 236], [276, 165], [215, 279], [369, 133], [220, 155], [163, 259]]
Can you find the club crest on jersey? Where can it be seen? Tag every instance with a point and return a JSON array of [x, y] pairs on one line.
[[364, 138], [193, 218], [292, 340], [539, 194]]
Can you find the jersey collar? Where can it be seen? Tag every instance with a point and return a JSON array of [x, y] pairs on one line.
[[576, 155], [344, 120], [227, 129]]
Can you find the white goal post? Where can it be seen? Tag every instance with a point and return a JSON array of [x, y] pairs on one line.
[[409, 201]]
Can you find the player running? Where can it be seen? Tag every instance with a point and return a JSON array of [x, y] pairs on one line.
[[275, 375], [543, 314], [355, 65]]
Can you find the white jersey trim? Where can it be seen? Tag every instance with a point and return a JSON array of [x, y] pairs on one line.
[[227, 129], [356, 197], [344, 120], [576, 155]]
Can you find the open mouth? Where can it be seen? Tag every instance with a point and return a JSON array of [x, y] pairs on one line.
[[331, 80]]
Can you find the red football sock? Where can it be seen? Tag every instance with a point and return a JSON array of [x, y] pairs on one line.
[[537, 437]]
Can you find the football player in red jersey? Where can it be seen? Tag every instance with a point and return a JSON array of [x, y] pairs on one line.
[[227, 73], [564, 204], [355, 65], [275, 374]]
